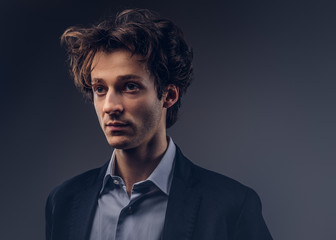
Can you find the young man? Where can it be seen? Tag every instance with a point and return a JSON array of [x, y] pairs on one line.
[[135, 69]]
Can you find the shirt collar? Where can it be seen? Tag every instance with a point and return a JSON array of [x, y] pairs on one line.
[[162, 174]]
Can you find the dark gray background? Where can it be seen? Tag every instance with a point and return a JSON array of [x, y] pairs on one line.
[[261, 109]]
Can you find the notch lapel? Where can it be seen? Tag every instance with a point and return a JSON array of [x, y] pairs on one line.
[[184, 201], [84, 207]]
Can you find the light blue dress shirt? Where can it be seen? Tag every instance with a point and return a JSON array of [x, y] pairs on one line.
[[139, 216]]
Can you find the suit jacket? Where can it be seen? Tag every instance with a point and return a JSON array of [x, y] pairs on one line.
[[201, 205]]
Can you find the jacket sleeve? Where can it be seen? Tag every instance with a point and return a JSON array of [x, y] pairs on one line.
[[251, 224]]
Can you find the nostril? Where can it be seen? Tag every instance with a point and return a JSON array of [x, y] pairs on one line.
[[113, 108]]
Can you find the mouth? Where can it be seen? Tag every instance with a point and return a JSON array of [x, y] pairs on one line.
[[116, 126]]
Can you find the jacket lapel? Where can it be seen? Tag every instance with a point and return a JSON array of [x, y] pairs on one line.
[[84, 207], [184, 200]]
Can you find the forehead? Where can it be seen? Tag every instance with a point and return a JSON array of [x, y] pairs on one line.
[[119, 65], [116, 59]]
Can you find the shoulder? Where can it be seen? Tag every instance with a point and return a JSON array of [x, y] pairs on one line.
[[224, 197], [216, 184], [211, 184], [76, 184], [222, 200], [215, 188], [233, 203]]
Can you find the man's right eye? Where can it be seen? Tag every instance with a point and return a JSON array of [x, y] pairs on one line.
[[99, 90]]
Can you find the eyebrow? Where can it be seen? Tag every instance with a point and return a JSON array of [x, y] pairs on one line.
[[129, 77], [120, 78]]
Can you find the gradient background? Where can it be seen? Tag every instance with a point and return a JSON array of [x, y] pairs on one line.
[[261, 108]]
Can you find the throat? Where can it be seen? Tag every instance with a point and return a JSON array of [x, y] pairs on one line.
[[135, 165]]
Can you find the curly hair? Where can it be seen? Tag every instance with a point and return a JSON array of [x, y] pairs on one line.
[[157, 40]]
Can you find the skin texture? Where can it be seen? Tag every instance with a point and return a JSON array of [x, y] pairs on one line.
[[130, 113]]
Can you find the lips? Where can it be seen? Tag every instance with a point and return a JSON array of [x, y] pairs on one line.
[[116, 126]]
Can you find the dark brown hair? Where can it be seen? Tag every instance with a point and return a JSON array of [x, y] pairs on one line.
[[159, 41]]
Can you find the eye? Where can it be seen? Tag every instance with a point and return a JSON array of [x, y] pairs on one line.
[[131, 87], [99, 89]]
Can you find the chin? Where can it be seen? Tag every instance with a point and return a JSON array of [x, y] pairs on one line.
[[119, 143]]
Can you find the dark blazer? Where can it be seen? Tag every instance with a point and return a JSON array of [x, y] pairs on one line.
[[201, 205]]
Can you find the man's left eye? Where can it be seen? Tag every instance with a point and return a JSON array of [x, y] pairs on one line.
[[131, 87]]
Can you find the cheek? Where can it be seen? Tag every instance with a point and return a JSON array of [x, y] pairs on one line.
[[144, 109], [98, 111], [149, 112]]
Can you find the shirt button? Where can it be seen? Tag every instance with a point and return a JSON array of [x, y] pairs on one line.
[[116, 182], [130, 210]]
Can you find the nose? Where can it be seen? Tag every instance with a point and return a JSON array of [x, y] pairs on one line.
[[113, 103]]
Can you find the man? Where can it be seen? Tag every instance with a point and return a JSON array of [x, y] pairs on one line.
[[135, 69]]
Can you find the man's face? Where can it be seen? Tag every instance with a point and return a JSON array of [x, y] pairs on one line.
[[126, 101]]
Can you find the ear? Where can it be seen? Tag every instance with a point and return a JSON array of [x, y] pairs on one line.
[[170, 96]]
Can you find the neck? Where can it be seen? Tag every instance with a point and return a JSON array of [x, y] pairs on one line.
[[135, 165]]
